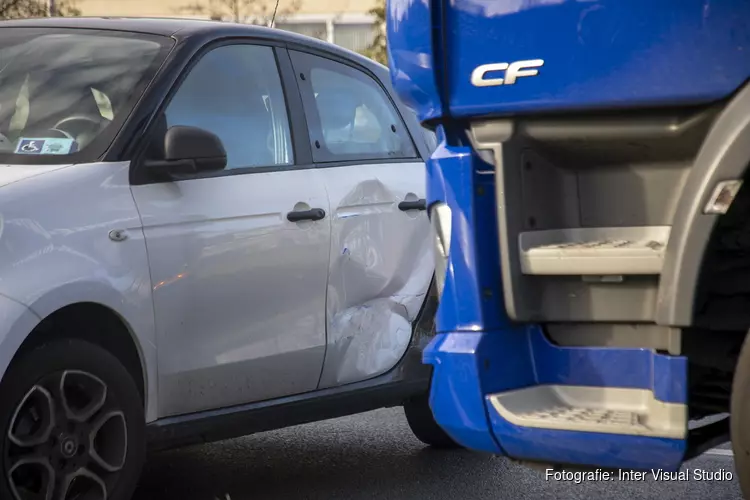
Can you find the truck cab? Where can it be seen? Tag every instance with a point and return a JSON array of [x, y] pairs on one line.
[[591, 225]]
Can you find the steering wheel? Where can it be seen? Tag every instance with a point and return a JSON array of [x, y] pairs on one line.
[[66, 134], [75, 118], [91, 124]]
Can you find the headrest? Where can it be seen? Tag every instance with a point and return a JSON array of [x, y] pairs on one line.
[[337, 109]]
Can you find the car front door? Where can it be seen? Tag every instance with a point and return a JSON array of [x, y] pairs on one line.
[[381, 261], [238, 283]]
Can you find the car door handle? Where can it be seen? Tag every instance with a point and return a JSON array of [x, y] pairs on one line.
[[300, 215], [413, 205]]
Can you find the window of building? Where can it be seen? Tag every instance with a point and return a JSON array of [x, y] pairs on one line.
[[315, 30], [356, 37]]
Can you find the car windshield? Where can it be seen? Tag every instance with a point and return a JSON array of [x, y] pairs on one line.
[[65, 93]]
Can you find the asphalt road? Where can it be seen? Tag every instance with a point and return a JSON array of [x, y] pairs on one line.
[[374, 456]]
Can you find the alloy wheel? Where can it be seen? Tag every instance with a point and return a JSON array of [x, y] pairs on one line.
[[67, 440]]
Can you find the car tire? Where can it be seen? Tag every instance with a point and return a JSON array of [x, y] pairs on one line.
[[739, 414], [423, 424], [71, 418]]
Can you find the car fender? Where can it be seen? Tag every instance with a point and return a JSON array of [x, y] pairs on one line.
[[74, 235]]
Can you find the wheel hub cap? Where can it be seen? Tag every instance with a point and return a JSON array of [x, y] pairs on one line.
[[68, 447]]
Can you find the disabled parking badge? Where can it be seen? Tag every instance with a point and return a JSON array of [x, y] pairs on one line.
[[45, 146], [30, 146]]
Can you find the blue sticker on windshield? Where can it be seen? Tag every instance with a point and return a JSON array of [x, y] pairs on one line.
[[30, 146], [45, 146]]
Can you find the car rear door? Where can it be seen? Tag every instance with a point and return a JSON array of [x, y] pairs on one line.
[[239, 273], [381, 262]]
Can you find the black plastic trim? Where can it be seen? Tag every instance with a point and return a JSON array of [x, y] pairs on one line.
[[211, 426], [297, 120], [302, 215], [701, 439]]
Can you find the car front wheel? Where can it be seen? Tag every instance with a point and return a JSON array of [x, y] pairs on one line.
[[72, 425]]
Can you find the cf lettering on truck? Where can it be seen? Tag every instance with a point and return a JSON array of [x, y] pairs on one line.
[[513, 72]]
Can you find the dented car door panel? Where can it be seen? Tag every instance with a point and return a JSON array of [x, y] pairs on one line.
[[381, 266], [381, 263]]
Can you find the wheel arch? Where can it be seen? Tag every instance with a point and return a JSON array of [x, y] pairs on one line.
[[85, 321], [68, 310], [724, 155]]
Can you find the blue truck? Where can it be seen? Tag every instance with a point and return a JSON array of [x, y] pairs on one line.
[[591, 226]]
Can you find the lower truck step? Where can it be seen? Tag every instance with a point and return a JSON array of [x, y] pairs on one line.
[[592, 409], [525, 397]]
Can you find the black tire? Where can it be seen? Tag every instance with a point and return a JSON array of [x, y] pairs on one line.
[[739, 414], [94, 433], [423, 424]]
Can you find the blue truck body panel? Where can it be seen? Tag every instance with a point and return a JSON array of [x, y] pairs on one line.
[[479, 351], [599, 54], [411, 56]]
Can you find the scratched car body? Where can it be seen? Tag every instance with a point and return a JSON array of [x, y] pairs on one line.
[[206, 230]]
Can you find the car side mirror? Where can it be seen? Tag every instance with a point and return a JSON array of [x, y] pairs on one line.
[[189, 150]]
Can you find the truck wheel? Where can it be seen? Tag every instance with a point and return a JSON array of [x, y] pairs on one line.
[[71, 425], [740, 418], [423, 425]]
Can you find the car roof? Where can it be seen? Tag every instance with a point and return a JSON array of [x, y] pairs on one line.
[[180, 28]]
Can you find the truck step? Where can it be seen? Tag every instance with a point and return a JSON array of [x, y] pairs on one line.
[[592, 409], [601, 251]]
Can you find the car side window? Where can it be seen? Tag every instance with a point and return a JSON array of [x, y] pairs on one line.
[[349, 114], [235, 92]]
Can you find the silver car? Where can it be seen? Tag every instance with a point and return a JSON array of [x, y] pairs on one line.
[[206, 230]]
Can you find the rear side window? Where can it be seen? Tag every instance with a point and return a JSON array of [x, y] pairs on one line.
[[349, 114]]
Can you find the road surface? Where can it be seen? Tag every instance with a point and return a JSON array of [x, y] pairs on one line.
[[374, 456]]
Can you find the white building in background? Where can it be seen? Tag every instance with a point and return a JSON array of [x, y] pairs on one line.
[[343, 22]]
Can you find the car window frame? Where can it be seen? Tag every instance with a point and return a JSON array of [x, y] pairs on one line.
[[302, 156], [351, 160]]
